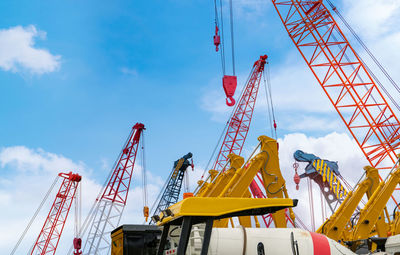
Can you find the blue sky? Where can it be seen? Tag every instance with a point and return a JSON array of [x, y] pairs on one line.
[[89, 70], [124, 62]]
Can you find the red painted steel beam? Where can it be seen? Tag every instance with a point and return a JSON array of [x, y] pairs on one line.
[[49, 236], [118, 185], [111, 204], [239, 123], [344, 79]]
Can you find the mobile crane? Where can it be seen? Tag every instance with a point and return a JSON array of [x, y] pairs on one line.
[[50, 234], [109, 205]]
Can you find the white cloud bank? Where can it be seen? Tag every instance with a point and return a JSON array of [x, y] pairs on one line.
[[26, 176], [19, 54]]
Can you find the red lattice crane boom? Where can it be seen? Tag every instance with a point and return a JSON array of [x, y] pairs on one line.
[[238, 128], [344, 79], [111, 203], [239, 123], [53, 226]]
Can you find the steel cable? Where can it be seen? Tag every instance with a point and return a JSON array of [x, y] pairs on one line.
[[34, 216]]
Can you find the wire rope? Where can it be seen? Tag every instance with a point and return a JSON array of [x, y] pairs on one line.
[[34, 216], [225, 127], [222, 39], [384, 71], [269, 114], [144, 173], [232, 36]]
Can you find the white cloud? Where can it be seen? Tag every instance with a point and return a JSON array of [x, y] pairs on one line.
[[213, 101], [25, 159], [26, 177], [252, 9], [19, 54], [311, 123], [372, 17]]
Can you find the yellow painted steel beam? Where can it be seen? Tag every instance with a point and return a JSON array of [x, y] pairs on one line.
[[370, 214], [223, 207]]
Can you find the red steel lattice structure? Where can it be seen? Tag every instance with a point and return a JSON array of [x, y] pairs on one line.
[[239, 124], [118, 185], [238, 128], [344, 78], [258, 193], [110, 205], [53, 226]]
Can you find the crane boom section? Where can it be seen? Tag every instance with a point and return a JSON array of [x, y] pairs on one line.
[[117, 187], [170, 194], [215, 187], [236, 181], [370, 214], [274, 183], [243, 176], [239, 123], [53, 226], [111, 204], [335, 226], [343, 77]]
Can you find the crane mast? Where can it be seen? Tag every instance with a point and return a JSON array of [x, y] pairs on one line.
[[111, 204], [344, 78], [49, 236]]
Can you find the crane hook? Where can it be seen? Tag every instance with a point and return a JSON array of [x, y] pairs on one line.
[[296, 177], [77, 246], [229, 82], [230, 101]]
